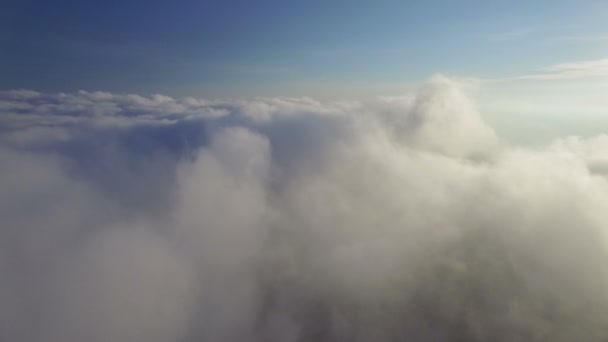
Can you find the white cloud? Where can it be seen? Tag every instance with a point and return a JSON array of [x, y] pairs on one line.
[[284, 219], [571, 70], [512, 35], [587, 38]]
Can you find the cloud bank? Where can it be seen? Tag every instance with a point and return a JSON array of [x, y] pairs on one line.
[[129, 218]]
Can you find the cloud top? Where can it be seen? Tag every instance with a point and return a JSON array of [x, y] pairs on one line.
[[131, 218]]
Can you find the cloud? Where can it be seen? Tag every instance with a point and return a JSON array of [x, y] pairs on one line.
[[512, 35], [571, 70], [588, 38], [131, 218]]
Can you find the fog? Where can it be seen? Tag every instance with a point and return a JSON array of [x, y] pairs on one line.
[[131, 218]]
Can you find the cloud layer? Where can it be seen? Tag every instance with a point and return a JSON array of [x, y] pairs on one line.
[[127, 218]]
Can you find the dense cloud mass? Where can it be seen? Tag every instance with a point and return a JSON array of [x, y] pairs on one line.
[[129, 218]]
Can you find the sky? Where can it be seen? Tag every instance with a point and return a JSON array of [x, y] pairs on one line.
[[262, 171], [213, 48]]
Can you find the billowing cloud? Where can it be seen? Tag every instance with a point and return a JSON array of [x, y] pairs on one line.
[[130, 218]]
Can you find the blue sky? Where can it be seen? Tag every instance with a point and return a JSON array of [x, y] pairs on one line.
[[234, 47]]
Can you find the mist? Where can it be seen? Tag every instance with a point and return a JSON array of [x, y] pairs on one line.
[[132, 218]]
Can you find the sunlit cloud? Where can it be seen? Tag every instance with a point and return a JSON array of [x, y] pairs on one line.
[[152, 218]]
